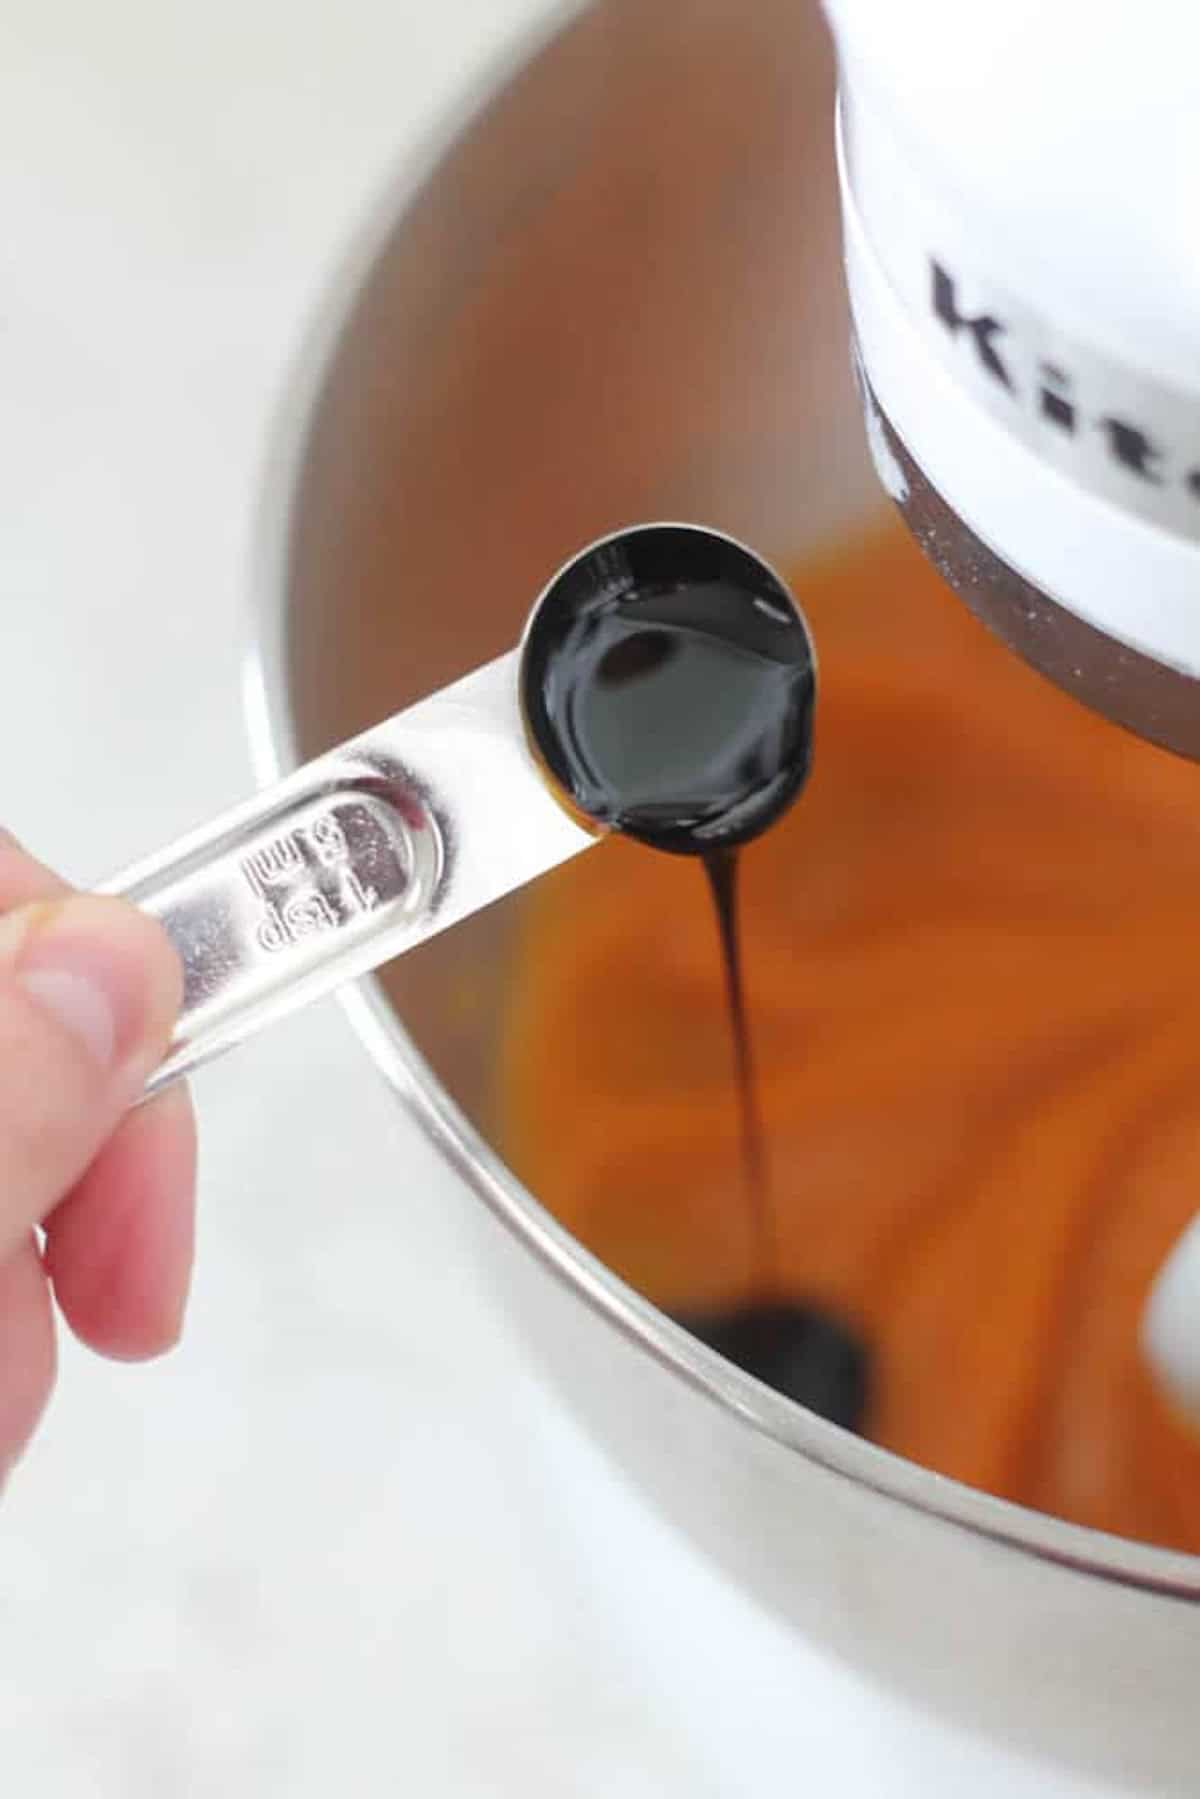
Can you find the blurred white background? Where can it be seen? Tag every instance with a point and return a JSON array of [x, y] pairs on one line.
[[309, 1551]]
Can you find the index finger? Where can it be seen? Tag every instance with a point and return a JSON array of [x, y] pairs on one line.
[[23, 879]]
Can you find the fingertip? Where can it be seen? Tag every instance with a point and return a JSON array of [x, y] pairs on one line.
[[95, 958], [23, 878]]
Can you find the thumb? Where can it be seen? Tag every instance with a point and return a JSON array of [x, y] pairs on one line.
[[89, 990]]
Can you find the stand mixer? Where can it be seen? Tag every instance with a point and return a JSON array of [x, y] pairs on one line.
[[1021, 257], [1020, 252]]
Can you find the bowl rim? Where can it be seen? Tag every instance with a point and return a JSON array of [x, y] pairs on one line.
[[274, 752]]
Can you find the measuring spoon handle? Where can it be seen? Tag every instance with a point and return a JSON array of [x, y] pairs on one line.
[[361, 854]]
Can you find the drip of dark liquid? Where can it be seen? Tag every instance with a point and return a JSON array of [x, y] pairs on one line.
[[801, 1350], [721, 868], [668, 683]]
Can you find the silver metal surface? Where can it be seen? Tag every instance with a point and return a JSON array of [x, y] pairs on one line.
[[571, 339], [368, 850]]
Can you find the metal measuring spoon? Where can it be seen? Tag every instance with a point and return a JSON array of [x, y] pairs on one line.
[[400, 832]]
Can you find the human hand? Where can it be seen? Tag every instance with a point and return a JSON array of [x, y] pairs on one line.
[[89, 991]]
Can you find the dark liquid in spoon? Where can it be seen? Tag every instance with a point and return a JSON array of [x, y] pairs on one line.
[[669, 685]]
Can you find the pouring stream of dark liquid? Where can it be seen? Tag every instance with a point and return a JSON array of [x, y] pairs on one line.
[[721, 869], [668, 681]]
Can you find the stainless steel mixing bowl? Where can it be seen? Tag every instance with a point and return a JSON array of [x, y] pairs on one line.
[[617, 295]]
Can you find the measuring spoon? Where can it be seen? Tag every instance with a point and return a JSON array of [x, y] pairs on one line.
[[663, 688]]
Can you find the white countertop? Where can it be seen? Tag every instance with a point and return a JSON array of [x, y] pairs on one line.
[[307, 1549]]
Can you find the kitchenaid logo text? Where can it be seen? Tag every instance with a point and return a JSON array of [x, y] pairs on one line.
[[1063, 402]]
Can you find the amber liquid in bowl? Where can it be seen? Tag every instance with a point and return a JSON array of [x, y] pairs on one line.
[[972, 981]]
